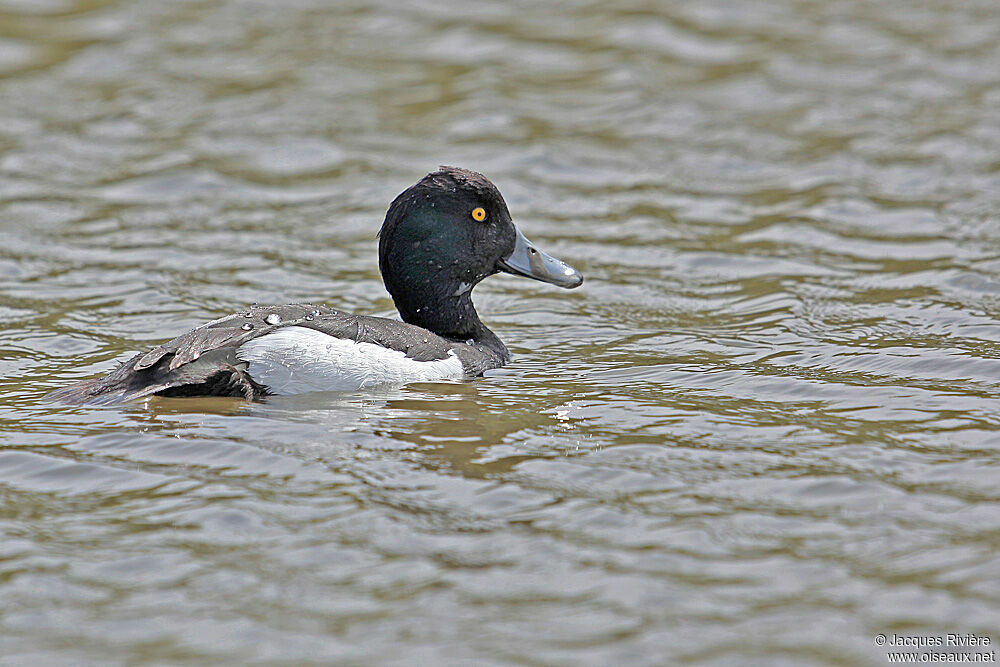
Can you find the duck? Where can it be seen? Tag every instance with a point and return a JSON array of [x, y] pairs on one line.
[[440, 238]]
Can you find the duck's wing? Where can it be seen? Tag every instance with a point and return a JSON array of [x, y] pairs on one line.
[[200, 362], [204, 361]]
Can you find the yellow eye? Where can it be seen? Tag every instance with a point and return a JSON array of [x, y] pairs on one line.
[[479, 214]]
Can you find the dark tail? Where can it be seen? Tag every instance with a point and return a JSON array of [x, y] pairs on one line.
[[87, 391]]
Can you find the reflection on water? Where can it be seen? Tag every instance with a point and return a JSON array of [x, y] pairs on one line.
[[764, 431]]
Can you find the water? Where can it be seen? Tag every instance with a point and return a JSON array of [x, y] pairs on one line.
[[763, 431]]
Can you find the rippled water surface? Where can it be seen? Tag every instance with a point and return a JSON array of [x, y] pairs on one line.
[[763, 431]]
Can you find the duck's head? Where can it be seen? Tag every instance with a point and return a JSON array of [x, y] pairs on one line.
[[445, 234]]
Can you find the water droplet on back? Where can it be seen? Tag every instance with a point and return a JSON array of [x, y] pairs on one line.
[[247, 326], [309, 318], [315, 313], [273, 318]]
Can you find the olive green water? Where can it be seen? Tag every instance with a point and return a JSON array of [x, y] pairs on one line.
[[766, 429]]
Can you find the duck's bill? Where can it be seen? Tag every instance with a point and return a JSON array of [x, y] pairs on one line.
[[528, 261]]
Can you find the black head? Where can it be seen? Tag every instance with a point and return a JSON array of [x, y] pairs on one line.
[[444, 235]]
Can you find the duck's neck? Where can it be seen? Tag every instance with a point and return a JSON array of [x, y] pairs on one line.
[[448, 313]]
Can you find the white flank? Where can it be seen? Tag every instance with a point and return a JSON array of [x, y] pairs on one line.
[[296, 360]]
